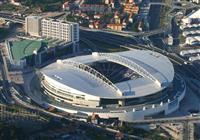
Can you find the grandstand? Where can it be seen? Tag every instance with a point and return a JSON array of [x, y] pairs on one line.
[[115, 72]]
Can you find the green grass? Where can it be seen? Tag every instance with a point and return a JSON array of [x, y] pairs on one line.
[[164, 16], [23, 48], [182, 38], [45, 5]]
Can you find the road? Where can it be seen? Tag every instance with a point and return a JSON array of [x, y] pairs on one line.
[[7, 113], [6, 81], [12, 18], [168, 120]]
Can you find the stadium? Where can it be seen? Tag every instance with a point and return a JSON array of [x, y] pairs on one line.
[[125, 85]]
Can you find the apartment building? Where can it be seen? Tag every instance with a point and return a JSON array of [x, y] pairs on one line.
[[61, 30], [50, 28], [33, 25]]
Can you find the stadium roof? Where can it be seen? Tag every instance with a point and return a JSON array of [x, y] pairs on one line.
[[23, 48], [156, 65]]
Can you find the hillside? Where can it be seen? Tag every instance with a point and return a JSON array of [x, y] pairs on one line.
[[45, 5]]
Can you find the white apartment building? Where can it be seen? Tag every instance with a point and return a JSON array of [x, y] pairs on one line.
[[50, 28], [33, 25], [57, 29]]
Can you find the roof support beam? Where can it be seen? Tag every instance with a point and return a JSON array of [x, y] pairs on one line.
[[130, 64], [101, 78]]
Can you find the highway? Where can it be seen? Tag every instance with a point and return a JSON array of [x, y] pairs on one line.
[[168, 120], [107, 38], [12, 18], [16, 96], [128, 33], [6, 81]]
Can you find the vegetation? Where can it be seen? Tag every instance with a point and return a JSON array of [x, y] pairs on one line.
[[10, 132], [9, 7], [164, 16], [134, 26], [44, 5], [106, 18], [4, 32], [182, 38], [152, 134], [96, 135], [73, 18], [168, 2]]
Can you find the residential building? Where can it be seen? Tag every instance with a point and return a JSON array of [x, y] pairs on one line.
[[65, 6], [57, 29], [50, 28], [117, 26], [14, 2], [97, 8], [131, 8], [33, 25]]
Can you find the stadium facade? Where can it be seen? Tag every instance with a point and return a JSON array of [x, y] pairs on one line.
[[124, 85]]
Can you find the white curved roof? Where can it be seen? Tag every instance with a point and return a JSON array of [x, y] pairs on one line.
[[155, 64]]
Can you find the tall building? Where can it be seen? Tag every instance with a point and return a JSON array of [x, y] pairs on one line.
[[67, 31], [33, 25], [50, 28]]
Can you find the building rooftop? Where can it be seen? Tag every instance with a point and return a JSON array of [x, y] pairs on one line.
[[156, 64]]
